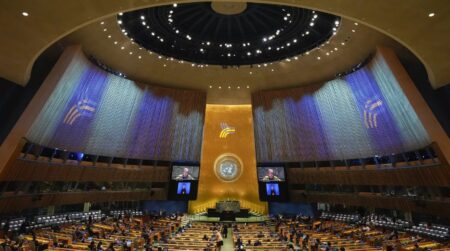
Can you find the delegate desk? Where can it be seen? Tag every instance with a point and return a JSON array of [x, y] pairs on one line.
[[228, 211]]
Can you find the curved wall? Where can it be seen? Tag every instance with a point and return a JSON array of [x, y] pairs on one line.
[[362, 114], [96, 112]]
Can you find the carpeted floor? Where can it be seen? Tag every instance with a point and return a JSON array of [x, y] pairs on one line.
[[228, 242]]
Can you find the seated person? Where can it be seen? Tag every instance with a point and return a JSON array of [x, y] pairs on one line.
[[260, 234], [239, 242], [270, 176], [257, 243], [185, 175]]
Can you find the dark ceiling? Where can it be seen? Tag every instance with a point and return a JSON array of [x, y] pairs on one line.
[[196, 33]]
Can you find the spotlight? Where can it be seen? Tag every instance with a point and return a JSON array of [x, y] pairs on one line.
[[431, 14], [25, 14]]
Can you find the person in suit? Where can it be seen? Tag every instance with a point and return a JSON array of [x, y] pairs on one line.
[[270, 176], [185, 175]]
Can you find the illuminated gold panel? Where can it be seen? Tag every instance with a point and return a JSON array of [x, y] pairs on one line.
[[241, 144]]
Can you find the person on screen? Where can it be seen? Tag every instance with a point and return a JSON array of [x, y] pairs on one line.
[[185, 175], [270, 176], [183, 189], [272, 190]]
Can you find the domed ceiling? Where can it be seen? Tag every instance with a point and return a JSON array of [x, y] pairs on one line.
[[313, 47], [222, 33]]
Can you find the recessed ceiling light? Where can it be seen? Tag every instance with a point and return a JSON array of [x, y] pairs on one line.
[[318, 58], [431, 14], [139, 57], [239, 87], [248, 87], [164, 65], [102, 23], [220, 87], [353, 30], [105, 29], [115, 42], [109, 36], [122, 47], [356, 23], [229, 87], [175, 5], [25, 14], [210, 86]]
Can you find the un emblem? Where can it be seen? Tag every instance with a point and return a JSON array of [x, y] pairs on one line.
[[228, 167]]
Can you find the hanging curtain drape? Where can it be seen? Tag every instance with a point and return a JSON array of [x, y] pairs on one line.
[[360, 115], [96, 112]]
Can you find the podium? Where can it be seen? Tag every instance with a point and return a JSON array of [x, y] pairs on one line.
[[228, 210]]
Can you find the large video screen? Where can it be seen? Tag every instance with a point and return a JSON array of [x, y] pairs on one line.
[[272, 189], [184, 188], [271, 174], [180, 172]]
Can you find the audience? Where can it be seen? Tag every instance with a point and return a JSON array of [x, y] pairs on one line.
[[175, 232]]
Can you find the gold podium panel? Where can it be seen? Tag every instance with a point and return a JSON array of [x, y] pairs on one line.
[[228, 162]]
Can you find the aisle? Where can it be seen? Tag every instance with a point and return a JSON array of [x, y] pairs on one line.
[[228, 242]]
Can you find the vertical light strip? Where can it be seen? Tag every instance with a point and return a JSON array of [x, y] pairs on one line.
[[412, 132]]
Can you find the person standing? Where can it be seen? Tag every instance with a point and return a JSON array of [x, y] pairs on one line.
[[225, 231]]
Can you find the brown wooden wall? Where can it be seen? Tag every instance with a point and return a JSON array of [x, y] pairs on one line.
[[429, 175], [370, 200], [42, 170], [426, 173], [17, 203]]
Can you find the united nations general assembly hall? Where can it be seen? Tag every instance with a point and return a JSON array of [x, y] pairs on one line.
[[224, 125]]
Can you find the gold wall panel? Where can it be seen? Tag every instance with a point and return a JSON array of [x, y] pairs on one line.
[[240, 143]]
